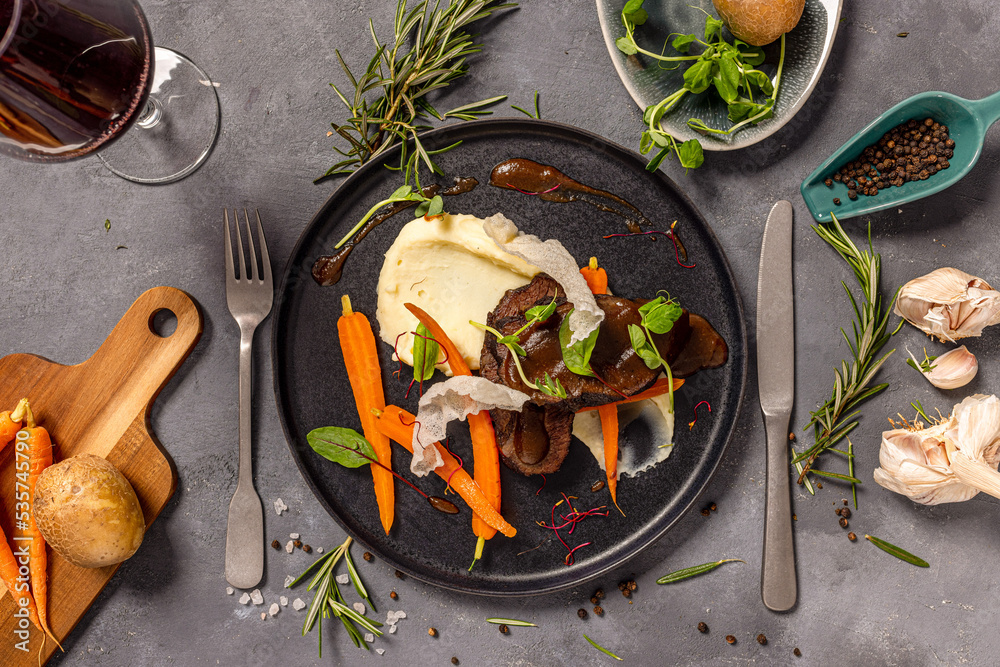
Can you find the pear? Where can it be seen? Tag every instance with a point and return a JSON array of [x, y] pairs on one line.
[[759, 22]]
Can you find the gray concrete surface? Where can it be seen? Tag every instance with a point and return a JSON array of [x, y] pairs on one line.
[[65, 284]]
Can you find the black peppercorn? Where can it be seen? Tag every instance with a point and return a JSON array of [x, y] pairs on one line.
[[297, 544], [400, 575], [582, 613], [702, 627], [846, 513], [843, 522], [393, 594], [593, 599], [599, 593], [367, 556], [504, 629], [852, 537], [599, 610], [836, 201], [308, 549], [761, 639], [713, 507], [432, 632], [705, 512], [276, 544], [454, 660], [796, 652], [828, 182], [730, 639]]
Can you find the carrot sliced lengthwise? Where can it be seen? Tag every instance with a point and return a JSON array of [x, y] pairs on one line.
[[397, 424], [361, 358], [39, 445], [597, 281], [485, 453], [659, 388]]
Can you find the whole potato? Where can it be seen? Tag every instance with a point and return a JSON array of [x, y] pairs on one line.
[[759, 22], [88, 512]]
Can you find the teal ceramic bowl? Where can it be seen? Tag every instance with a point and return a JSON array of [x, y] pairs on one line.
[[967, 122]]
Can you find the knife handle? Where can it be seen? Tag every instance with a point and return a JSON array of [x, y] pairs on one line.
[[778, 587]]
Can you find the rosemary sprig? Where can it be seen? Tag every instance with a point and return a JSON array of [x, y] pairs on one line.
[[601, 648], [511, 621], [897, 552], [694, 571], [427, 51], [833, 420], [327, 599]]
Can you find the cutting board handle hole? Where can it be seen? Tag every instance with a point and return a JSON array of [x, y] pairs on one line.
[[163, 323]]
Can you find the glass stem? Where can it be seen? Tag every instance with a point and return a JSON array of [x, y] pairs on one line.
[[151, 114]]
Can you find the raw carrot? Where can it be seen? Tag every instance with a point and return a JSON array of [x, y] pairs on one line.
[[597, 281], [361, 358], [660, 387], [397, 424], [36, 440], [485, 453], [8, 426]]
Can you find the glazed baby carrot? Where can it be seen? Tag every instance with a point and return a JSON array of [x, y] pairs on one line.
[[36, 440], [397, 424], [361, 358], [659, 388], [485, 453], [597, 281]]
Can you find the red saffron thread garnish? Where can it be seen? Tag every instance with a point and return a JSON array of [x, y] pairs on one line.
[[395, 353], [461, 464], [670, 235], [532, 194], [692, 422], [570, 558], [542, 486], [571, 519]]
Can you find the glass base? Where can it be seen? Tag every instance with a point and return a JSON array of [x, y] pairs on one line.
[[176, 132]]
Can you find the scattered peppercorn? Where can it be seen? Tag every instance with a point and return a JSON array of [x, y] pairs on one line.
[[843, 522], [845, 501], [828, 182], [797, 652], [593, 599], [713, 507], [761, 639], [703, 627], [308, 549], [297, 544], [730, 639], [504, 629], [597, 486], [454, 660], [432, 632], [791, 436], [852, 537], [599, 610], [846, 513], [400, 575], [599, 593], [705, 512], [393, 594], [836, 201], [819, 485], [367, 556], [838, 511], [276, 544], [582, 613]]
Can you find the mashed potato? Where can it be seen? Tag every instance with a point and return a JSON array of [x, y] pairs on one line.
[[449, 267]]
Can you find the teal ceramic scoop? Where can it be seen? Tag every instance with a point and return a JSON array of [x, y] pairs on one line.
[[967, 122]]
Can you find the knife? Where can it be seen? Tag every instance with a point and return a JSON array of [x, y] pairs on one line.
[[776, 382]]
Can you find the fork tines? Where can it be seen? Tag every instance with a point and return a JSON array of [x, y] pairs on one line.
[[254, 273]]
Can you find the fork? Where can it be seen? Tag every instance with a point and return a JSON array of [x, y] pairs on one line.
[[249, 297]]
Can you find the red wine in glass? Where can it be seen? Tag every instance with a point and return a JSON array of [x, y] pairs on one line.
[[76, 75]]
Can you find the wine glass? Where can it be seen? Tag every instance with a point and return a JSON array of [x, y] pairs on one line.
[[76, 74]]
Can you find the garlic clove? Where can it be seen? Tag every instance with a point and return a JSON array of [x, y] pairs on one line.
[[953, 369], [905, 469], [949, 304]]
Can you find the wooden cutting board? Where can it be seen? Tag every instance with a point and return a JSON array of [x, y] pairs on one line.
[[102, 407]]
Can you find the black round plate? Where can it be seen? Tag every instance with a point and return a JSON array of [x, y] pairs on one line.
[[312, 389]]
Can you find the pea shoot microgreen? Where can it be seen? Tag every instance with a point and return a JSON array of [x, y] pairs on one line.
[[577, 356], [425, 354], [656, 317], [729, 68], [534, 315]]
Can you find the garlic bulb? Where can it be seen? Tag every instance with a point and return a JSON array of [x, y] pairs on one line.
[[951, 370], [949, 304], [949, 462]]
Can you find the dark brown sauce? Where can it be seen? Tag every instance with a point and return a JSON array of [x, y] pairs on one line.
[[328, 269], [442, 505], [550, 184], [705, 349]]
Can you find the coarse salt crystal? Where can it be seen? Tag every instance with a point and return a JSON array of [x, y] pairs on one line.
[[400, 614], [294, 536], [298, 604], [380, 651], [288, 580], [358, 607], [263, 616], [245, 598], [369, 637], [392, 629], [290, 547], [274, 609], [280, 506], [256, 597], [284, 601], [319, 550], [343, 578], [229, 590]]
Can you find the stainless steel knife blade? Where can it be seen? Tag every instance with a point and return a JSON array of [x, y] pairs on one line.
[[776, 383]]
